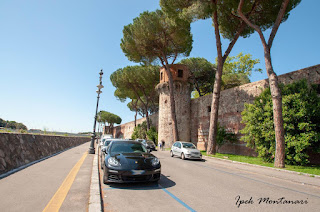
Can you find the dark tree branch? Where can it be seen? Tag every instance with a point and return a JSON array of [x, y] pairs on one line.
[[278, 22], [239, 31], [234, 40], [255, 27]]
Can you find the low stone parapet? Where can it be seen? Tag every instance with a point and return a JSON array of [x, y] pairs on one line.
[[20, 149]]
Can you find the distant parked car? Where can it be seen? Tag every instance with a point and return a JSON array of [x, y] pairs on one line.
[[130, 161], [149, 145], [185, 150], [140, 140], [103, 139]]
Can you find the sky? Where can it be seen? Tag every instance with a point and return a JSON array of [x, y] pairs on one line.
[[51, 53]]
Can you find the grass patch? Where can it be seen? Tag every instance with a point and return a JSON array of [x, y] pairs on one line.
[[312, 169]]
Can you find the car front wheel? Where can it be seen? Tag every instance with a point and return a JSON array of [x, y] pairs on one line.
[[171, 153], [105, 179], [182, 156], [101, 164]]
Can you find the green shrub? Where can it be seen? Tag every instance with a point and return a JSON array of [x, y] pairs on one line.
[[224, 136], [152, 135], [140, 131], [301, 116]]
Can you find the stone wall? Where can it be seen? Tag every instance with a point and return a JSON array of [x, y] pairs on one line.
[[231, 105], [126, 130], [19, 149]]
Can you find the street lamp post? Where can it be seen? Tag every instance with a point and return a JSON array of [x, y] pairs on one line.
[[100, 86]]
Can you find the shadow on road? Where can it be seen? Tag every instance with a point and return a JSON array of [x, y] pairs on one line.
[[164, 182]]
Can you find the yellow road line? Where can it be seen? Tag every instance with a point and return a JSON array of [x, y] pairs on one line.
[[58, 198]]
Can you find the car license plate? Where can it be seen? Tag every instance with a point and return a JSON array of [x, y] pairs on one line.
[[137, 172]]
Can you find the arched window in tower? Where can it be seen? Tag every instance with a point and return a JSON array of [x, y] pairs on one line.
[[180, 73], [161, 75]]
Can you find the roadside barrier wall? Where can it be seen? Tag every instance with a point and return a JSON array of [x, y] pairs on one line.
[[20, 149]]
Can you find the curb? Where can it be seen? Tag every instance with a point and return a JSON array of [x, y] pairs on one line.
[[94, 200], [271, 168]]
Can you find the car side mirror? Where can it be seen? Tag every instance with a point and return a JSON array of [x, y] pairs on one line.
[[104, 150]]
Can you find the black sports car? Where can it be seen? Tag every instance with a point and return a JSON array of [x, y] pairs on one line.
[[130, 161]]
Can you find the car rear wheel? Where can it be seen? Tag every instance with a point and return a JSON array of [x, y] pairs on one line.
[[182, 156], [171, 153]]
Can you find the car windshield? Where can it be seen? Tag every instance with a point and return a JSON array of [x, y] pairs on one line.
[[188, 145], [106, 143], [120, 147]]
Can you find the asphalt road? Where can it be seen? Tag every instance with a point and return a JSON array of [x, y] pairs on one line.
[[215, 185], [32, 188]]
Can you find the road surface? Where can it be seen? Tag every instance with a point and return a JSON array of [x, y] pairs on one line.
[[215, 185]]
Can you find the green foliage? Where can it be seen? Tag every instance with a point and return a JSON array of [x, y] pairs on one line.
[[135, 81], [138, 84], [223, 136], [236, 72], [104, 116], [260, 13], [140, 131], [301, 116], [152, 135], [264, 13], [23, 131], [193, 10], [137, 105], [2, 123], [237, 69], [202, 74], [153, 36], [12, 125]]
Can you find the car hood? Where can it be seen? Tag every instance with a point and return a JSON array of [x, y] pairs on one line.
[[191, 150], [137, 161]]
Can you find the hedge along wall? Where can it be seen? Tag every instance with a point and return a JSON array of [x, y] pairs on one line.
[[19, 149]]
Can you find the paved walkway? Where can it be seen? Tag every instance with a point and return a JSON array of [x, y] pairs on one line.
[[58, 183]]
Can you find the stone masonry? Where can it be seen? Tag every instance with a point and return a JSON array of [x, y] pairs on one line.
[[19, 149], [231, 105]]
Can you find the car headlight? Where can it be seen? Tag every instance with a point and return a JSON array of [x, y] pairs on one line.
[[113, 162], [155, 161]]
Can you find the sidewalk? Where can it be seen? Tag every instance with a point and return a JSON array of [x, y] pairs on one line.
[[282, 174]]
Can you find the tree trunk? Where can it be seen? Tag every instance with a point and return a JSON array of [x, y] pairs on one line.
[[279, 160], [213, 129], [147, 119], [135, 118]]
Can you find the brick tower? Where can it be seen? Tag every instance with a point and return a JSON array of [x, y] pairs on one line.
[[182, 96]]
